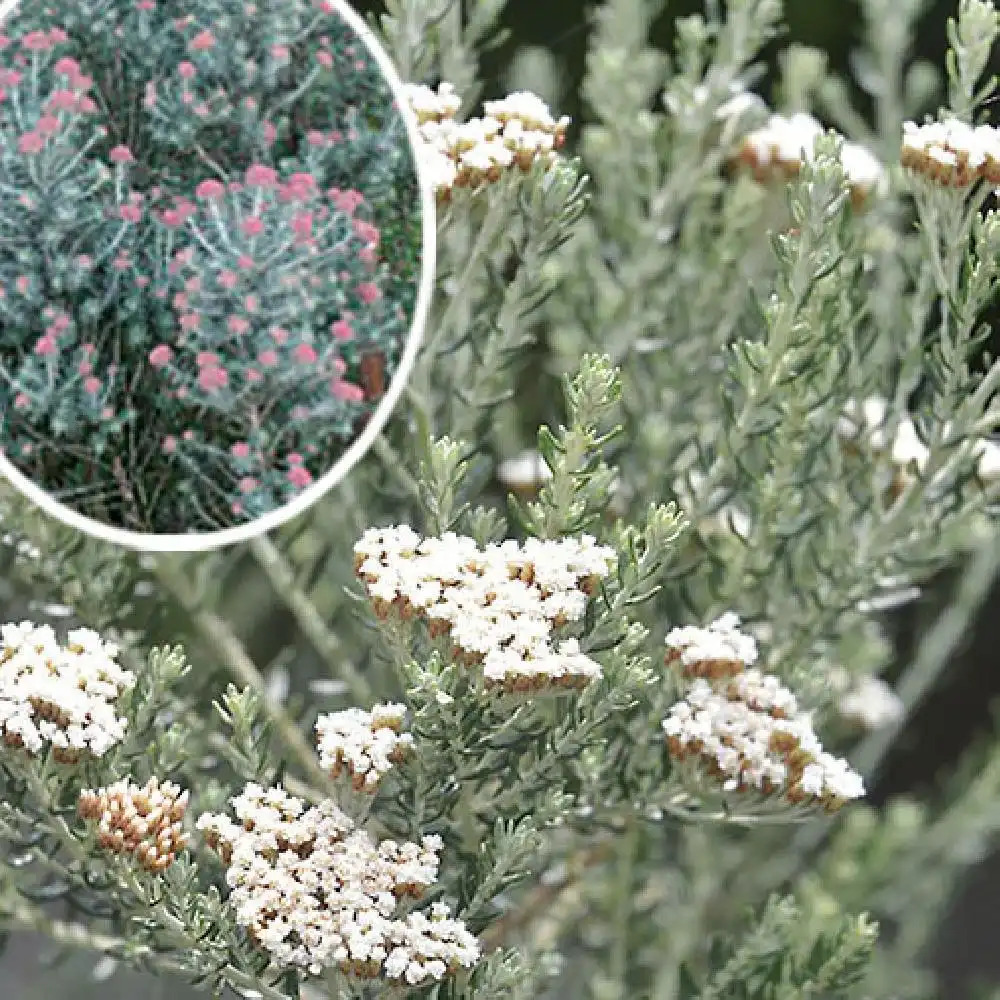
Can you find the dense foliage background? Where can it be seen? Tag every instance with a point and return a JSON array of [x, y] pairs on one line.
[[964, 705]]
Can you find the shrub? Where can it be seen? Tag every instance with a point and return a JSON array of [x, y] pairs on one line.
[[204, 247]]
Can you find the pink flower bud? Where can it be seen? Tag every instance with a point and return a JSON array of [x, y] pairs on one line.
[[30, 143], [203, 41], [46, 345], [366, 231], [47, 125], [347, 391], [210, 190], [212, 379], [36, 41], [302, 224], [160, 356], [299, 476], [259, 175], [62, 100]]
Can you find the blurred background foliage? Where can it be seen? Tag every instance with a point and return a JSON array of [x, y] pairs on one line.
[[946, 725]]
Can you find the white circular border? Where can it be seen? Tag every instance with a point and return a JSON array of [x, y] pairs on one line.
[[359, 447]]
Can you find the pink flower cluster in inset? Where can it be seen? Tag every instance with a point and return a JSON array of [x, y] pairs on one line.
[[211, 281]]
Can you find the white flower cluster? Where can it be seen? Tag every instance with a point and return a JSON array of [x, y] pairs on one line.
[[431, 105], [316, 892], [364, 744], [871, 704], [869, 419], [745, 728], [517, 131], [783, 145], [720, 650], [145, 821], [952, 153], [499, 605], [60, 695]]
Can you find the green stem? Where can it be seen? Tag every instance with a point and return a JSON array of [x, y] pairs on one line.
[[496, 215], [231, 651], [63, 932], [277, 569], [396, 465], [628, 846]]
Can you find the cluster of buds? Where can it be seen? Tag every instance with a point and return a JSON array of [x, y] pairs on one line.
[[952, 153], [514, 133], [60, 695], [365, 745], [316, 892], [498, 605], [778, 150], [721, 650], [744, 728], [144, 821]]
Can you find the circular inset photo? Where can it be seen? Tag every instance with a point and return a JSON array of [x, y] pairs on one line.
[[216, 256]]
